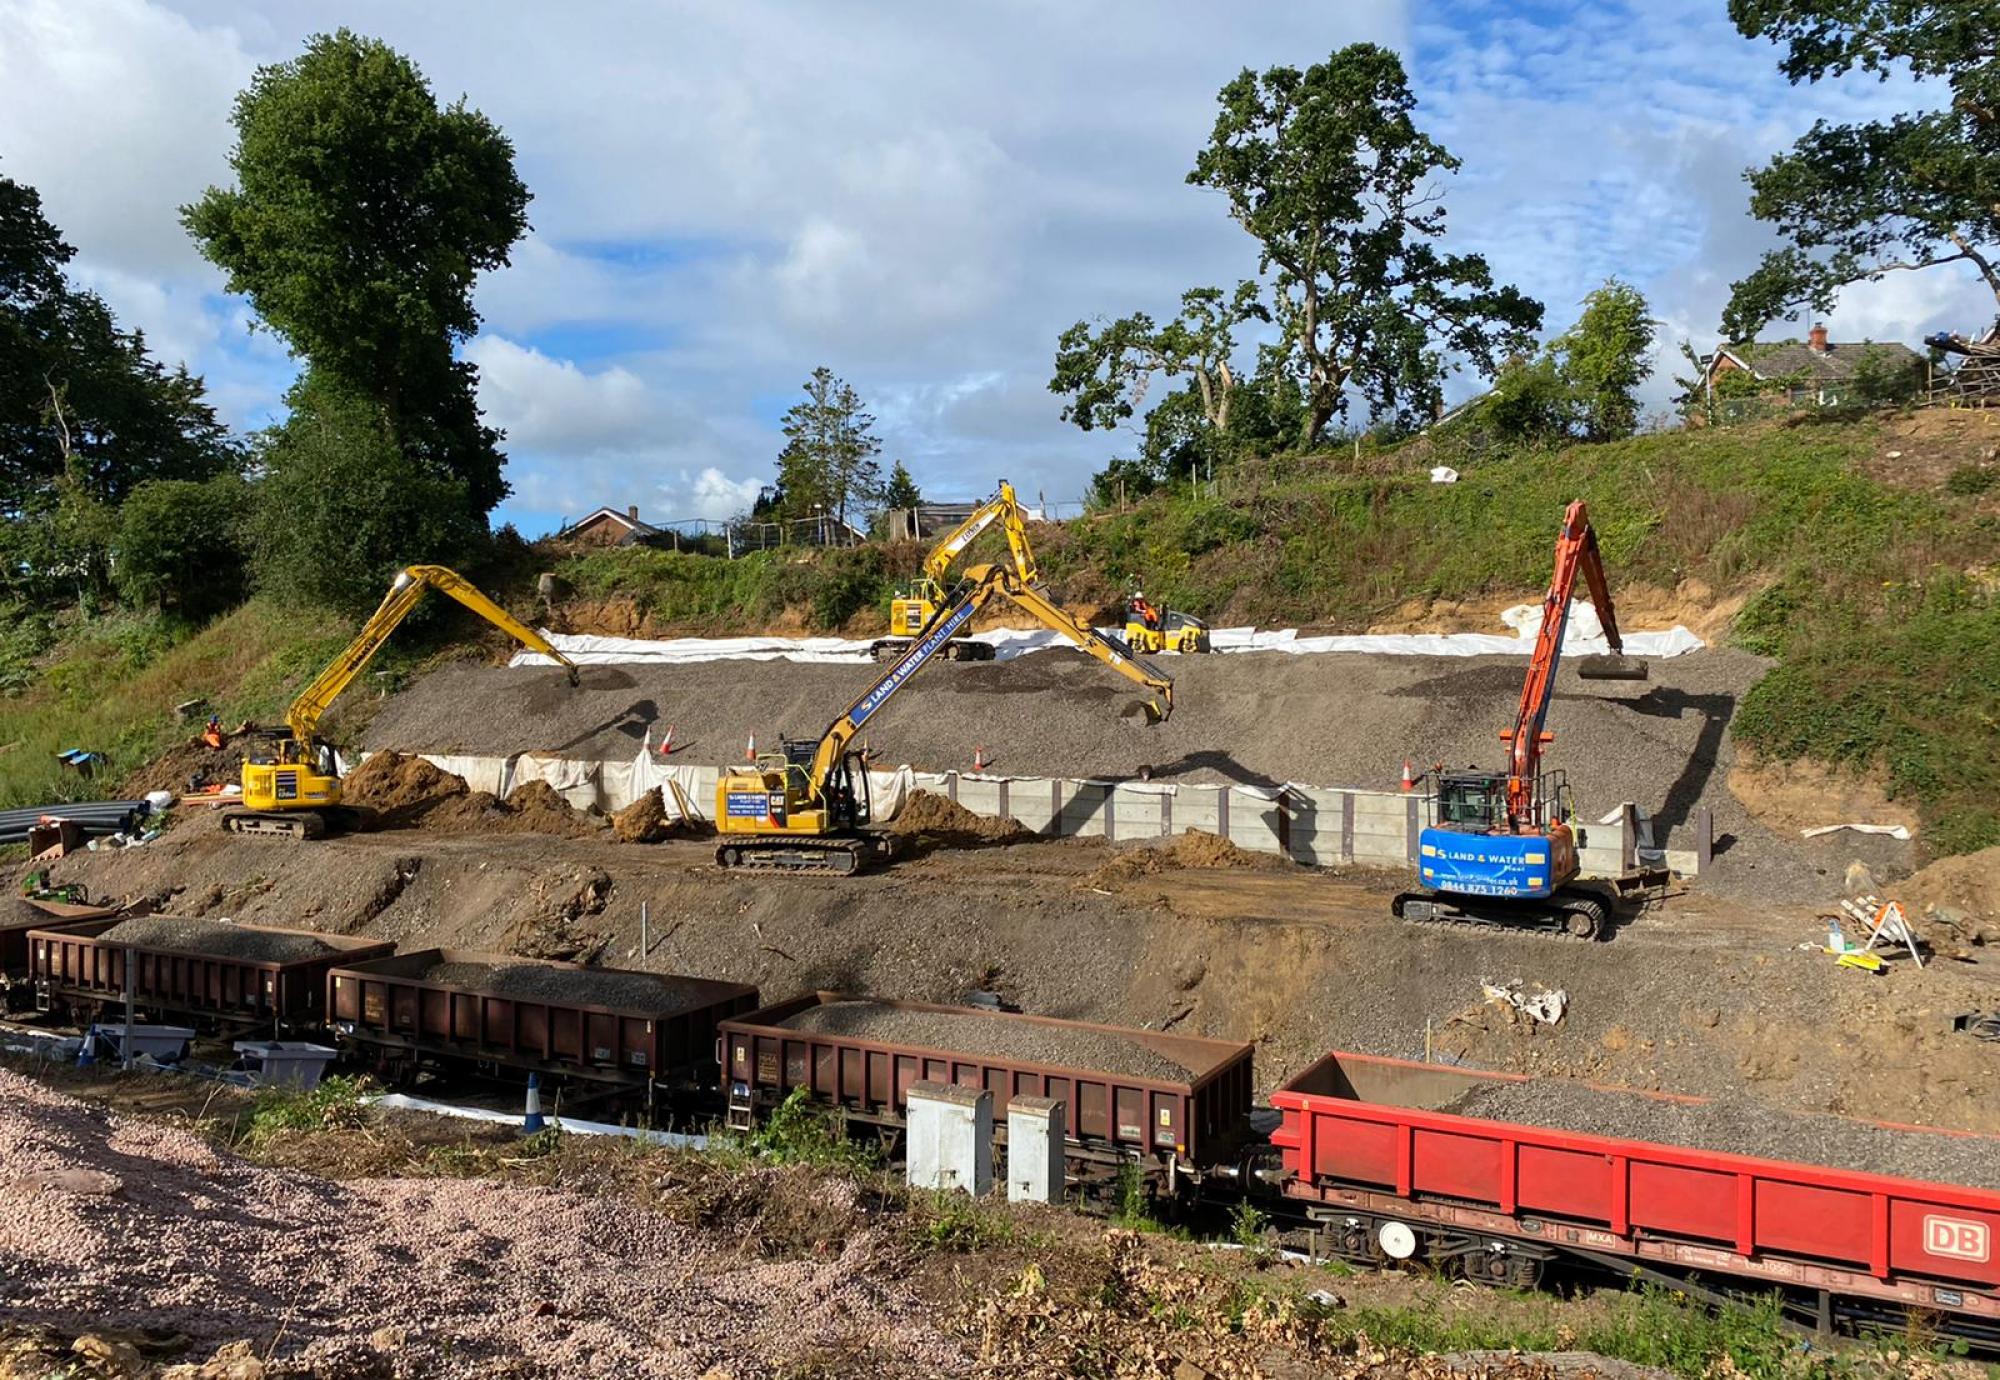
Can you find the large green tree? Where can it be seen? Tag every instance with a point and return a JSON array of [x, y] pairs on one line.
[[87, 414], [828, 464], [1857, 201], [363, 213], [1328, 171]]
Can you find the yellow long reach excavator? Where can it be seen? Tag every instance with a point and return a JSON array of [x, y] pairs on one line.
[[291, 787], [914, 606], [807, 808]]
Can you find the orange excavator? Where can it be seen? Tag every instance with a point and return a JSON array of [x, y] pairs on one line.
[[1500, 847]]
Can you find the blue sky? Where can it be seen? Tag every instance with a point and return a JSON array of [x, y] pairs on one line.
[[920, 196]]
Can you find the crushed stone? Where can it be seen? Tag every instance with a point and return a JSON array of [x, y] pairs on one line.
[[214, 937], [992, 1036], [650, 993], [1741, 1127], [476, 1277]]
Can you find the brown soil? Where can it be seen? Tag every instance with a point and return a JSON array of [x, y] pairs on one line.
[[1930, 443], [405, 792], [1691, 604], [643, 821], [1194, 849], [400, 789], [1791, 796], [188, 762], [940, 819], [1955, 901]]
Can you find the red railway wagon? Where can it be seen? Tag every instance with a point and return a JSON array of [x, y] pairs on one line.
[[608, 1025], [1382, 1172], [76, 970], [1180, 1127]]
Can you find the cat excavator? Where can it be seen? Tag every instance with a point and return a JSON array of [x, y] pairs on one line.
[[807, 808], [291, 786], [1500, 848], [911, 611]]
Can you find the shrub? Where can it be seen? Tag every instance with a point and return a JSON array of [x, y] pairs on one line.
[[181, 546]]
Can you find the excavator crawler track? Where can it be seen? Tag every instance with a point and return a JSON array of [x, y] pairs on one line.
[[297, 825], [1572, 914], [839, 857]]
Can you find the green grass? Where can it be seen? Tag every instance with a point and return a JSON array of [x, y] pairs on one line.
[[336, 1103], [1336, 540], [822, 588], [798, 1132], [109, 685]]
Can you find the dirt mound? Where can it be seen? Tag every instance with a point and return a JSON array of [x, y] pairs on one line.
[[943, 820], [643, 821], [1195, 849], [400, 788], [1955, 899], [404, 792]]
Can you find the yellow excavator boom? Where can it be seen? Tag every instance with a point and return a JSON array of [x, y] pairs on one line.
[[1002, 508], [980, 584], [404, 594]]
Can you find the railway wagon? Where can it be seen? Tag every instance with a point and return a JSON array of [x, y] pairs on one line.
[[1384, 1169], [612, 1026], [222, 975], [1177, 1104]]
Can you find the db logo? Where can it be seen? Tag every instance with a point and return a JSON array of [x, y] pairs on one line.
[[1961, 1240]]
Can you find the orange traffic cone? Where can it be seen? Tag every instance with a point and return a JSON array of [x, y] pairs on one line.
[[750, 749], [1409, 776], [979, 759], [667, 741]]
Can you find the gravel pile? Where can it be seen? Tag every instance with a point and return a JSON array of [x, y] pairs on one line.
[[110, 1223], [216, 938], [1254, 719], [1743, 1128], [654, 993], [991, 1036]]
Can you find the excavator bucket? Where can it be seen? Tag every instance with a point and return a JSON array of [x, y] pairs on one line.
[[1610, 666], [1149, 710]]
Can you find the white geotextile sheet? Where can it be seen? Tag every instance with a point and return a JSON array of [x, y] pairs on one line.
[[1583, 637]]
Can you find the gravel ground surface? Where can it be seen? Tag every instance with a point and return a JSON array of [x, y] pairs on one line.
[[653, 993], [113, 1223], [996, 1037], [1743, 1128], [214, 937], [1254, 719]]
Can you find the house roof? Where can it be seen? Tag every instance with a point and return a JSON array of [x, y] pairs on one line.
[[633, 526], [1779, 358]]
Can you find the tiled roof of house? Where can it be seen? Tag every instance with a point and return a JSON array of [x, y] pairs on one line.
[[1839, 361]]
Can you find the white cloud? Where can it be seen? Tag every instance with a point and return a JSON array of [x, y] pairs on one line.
[[546, 404]]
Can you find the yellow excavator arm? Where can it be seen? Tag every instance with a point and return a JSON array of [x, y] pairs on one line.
[[980, 584], [1002, 508], [404, 594]]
